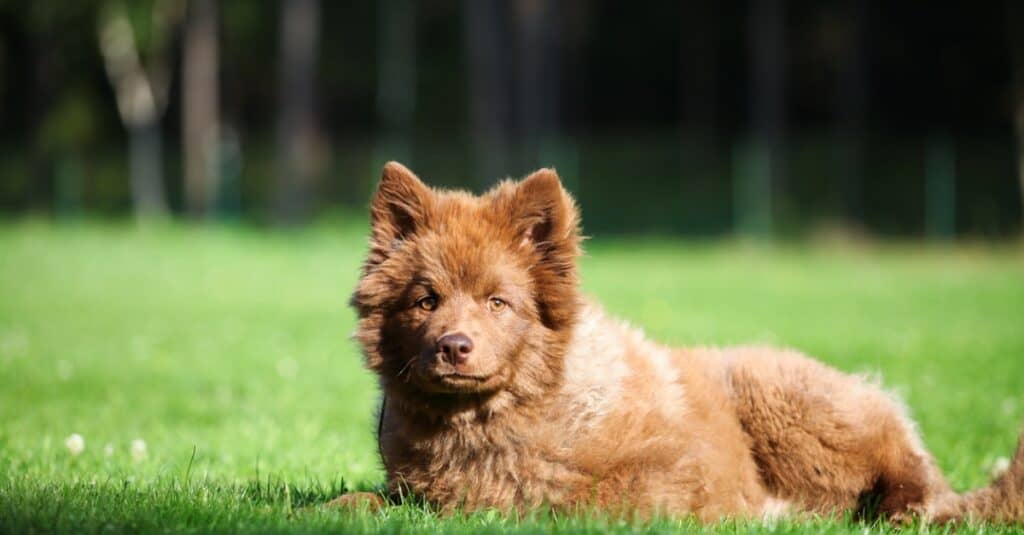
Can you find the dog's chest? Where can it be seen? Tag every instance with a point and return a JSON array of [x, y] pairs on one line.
[[475, 466]]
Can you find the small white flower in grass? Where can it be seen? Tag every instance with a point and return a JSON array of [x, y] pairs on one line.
[[1000, 466], [138, 449], [75, 444], [108, 450]]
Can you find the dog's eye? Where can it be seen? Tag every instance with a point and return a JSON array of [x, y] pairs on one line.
[[496, 304], [427, 303]]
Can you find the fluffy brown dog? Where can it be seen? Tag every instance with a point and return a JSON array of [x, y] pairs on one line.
[[504, 388]]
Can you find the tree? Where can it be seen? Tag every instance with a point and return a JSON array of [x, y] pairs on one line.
[[700, 27], [296, 122], [141, 88], [490, 95], [538, 80], [851, 104], [200, 107], [396, 79], [763, 164], [1015, 35]]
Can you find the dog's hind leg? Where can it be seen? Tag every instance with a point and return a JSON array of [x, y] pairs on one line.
[[829, 441]]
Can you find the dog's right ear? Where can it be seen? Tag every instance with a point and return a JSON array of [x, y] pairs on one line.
[[399, 208]]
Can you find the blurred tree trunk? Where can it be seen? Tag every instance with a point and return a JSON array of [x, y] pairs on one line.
[[146, 168], [851, 107], [1015, 35], [40, 188], [396, 82], [573, 21], [538, 81], [700, 142], [141, 95], [200, 107], [296, 121], [940, 184], [489, 88], [763, 168], [699, 66]]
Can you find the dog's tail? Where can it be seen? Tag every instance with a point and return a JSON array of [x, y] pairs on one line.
[[1002, 501]]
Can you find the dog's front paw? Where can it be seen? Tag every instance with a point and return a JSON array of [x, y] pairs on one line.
[[357, 501]]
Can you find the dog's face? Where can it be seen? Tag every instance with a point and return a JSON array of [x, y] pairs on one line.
[[467, 295]]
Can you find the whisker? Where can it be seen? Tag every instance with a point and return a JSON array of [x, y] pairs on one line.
[[406, 367]]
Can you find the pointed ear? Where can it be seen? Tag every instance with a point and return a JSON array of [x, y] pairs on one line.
[[547, 225], [545, 214], [399, 208]]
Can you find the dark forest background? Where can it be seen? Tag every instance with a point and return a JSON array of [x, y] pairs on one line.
[[764, 117]]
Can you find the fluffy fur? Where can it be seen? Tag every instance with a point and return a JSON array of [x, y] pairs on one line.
[[559, 405]]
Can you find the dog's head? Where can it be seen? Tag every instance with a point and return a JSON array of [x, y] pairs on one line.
[[464, 297]]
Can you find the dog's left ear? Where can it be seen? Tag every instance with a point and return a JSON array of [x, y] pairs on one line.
[[545, 214], [547, 225]]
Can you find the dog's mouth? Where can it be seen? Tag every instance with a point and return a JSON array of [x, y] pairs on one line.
[[462, 377], [447, 381]]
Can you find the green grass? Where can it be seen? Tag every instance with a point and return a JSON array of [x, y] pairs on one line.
[[227, 351]]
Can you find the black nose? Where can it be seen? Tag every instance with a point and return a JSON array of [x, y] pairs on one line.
[[455, 348]]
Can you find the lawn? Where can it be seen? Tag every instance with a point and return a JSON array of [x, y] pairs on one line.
[[224, 355]]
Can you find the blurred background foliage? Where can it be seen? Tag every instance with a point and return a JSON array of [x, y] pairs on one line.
[[759, 117]]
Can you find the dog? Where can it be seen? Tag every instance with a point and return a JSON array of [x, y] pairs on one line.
[[505, 388]]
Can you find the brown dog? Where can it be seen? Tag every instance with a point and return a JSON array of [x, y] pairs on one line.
[[504, 388]]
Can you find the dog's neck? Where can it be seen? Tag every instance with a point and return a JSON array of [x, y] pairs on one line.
[[441, 410]]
